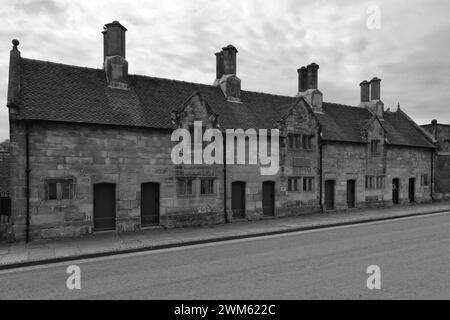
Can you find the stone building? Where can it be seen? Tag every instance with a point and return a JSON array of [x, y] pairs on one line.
[[5, 201], [441, 133], [91, 148]]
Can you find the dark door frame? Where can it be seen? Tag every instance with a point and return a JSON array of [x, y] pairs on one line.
[[395, 190], [269, 211], [351, 201], [333, 204], [157, 185], [412, 190], [113, 185], [239, 215]]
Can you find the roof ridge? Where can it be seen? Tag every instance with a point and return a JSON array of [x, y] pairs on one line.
[[61, 64]]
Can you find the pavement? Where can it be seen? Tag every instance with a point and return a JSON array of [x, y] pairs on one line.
[[111, 243]]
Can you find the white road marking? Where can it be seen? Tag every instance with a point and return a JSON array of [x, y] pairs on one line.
[[210, 244]]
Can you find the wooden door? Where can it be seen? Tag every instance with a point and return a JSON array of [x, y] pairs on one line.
[[351, 193], [269, 198], [238, 199], [149, 204], [412, 190], [395, 190], [104, 207], [329, 194]]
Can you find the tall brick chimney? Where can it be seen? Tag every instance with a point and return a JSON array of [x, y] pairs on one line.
[[114, 63], [226, 77], [14, 75], [373, 102], [308, 79], [365, 91], [375, 89]]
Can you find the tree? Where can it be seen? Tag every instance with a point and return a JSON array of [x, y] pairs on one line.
[[4, 145]]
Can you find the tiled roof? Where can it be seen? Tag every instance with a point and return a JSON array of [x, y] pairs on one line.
[[58, 92]]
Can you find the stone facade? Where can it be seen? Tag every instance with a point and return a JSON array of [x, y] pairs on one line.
[[79, 136], [441, 133]]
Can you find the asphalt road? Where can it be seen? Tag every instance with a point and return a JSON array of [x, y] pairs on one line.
[[413, 256]]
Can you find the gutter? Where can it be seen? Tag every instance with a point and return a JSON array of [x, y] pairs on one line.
[[27, 173], [432, 176], [225, 179], [320, 168]]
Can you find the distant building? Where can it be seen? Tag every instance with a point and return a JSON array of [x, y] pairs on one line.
[[93, 147], [441, 133]]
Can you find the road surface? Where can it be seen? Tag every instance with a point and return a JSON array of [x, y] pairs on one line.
[[413, 255]]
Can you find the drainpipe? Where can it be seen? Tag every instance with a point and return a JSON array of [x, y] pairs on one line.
[[225, 179], [320, 168], [27, 173], [432, 175]]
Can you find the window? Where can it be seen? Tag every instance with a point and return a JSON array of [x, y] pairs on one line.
[[308, 184], [374, 146], [306, 142], [380, 182], [184, 186], [293, 183], [370, 182], [424, 180], [207, 186], [59, 189], [375, 182], [294, 141]]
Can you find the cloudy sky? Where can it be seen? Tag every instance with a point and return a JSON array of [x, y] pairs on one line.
[[177, 40]]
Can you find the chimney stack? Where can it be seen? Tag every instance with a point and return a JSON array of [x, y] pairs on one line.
[[375, 89], [114, 63], [312, 72], [219, 64], [14, 75], [302, 83], [308, 86], [373, 102], [365, 91], [226, 77]]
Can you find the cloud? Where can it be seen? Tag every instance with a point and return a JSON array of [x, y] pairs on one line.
[[178, 39]]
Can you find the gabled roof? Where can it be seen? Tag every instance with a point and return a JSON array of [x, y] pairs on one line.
[[57, 92]]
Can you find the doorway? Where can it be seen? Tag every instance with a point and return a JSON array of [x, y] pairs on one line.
[[238, 199], [104, 206], [149, 204], [412, 190], [268, 198], [351, 193], [329, 194], [395, 190]]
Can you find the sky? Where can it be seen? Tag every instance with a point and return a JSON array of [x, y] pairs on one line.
[[404, 42]]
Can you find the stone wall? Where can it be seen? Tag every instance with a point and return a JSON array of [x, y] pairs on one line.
[[344, 161], [91, 154]]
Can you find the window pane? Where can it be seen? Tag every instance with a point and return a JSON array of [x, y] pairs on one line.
[[51, 191]]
